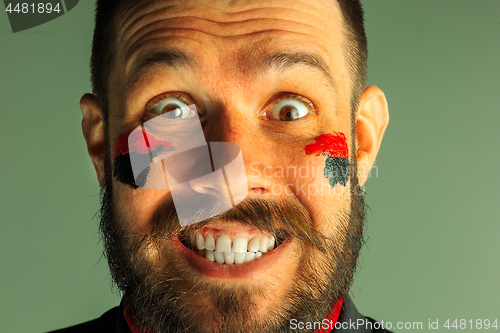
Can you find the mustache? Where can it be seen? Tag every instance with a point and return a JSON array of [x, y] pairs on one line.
[[281, 218]]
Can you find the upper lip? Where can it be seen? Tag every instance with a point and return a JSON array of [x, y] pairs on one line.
[[230, 229]]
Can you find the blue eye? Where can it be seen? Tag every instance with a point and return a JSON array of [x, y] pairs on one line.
[[288, 110], [173, 109]]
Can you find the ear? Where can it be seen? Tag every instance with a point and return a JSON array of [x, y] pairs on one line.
[[93, 128], [371, 122]]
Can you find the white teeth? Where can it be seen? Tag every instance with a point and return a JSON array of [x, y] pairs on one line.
[[200, 241], [219, 257], [209, 242], [223, 243], [225, 251], [271, 244], [229, 258], [253, 245], [210, 255], [249, 256], [239, 258], [263, 244], [239, 244]]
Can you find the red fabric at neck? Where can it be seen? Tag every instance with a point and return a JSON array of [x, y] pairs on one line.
[[129, 320], [332, 318]]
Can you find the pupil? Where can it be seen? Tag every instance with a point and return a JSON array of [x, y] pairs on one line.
[[169, 107], [288, 113]]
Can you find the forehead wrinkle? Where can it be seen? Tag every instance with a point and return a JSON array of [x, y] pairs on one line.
[[140, 22], [300, 12], [137, 11], [154, 42], [181, 25], [132, 21], [211, 13], [161, 36]]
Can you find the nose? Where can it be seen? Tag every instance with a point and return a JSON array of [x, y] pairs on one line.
[[227, 179], [206, 181], [229, 133], [213, 184]]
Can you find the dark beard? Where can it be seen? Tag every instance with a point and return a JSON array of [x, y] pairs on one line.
[[155, 291]]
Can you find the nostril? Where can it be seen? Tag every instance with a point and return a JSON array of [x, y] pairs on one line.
[[211, 184], [258, 190], [208, 190]]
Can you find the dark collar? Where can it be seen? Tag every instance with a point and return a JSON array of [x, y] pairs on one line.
[[351, 321]]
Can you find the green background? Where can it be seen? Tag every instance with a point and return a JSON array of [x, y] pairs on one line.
[[434, 250]]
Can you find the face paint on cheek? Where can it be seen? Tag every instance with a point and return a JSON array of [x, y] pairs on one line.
[[140, 144], [334, 146]]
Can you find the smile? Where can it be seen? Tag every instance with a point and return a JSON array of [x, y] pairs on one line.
[[231, 246], [225, 250]]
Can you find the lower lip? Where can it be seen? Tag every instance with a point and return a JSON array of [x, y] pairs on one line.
[[249, 270]]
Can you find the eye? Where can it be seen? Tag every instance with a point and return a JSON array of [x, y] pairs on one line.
[[173, 109], [288, 109]]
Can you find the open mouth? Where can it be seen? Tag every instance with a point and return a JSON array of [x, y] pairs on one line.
[[228, 248]]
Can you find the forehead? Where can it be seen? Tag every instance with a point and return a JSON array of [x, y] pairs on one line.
[[228, 36], [224, 26], [226, 19]]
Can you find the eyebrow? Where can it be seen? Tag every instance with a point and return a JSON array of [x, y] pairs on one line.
[[175, 59], [170, 58], [287, 60]]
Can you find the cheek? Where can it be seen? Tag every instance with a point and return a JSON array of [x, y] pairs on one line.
[[135, 208], [317, 174], [334, 147]]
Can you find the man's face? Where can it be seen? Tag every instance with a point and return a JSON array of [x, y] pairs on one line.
[[271, 77]]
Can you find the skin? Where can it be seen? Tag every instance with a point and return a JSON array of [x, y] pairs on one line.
[[232, 92]]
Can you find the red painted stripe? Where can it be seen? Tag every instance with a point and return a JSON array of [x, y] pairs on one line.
[[334, 144], [333, 316], [139, 144]]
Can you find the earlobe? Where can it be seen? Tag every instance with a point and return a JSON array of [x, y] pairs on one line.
[[371, 122], [93, 128]]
